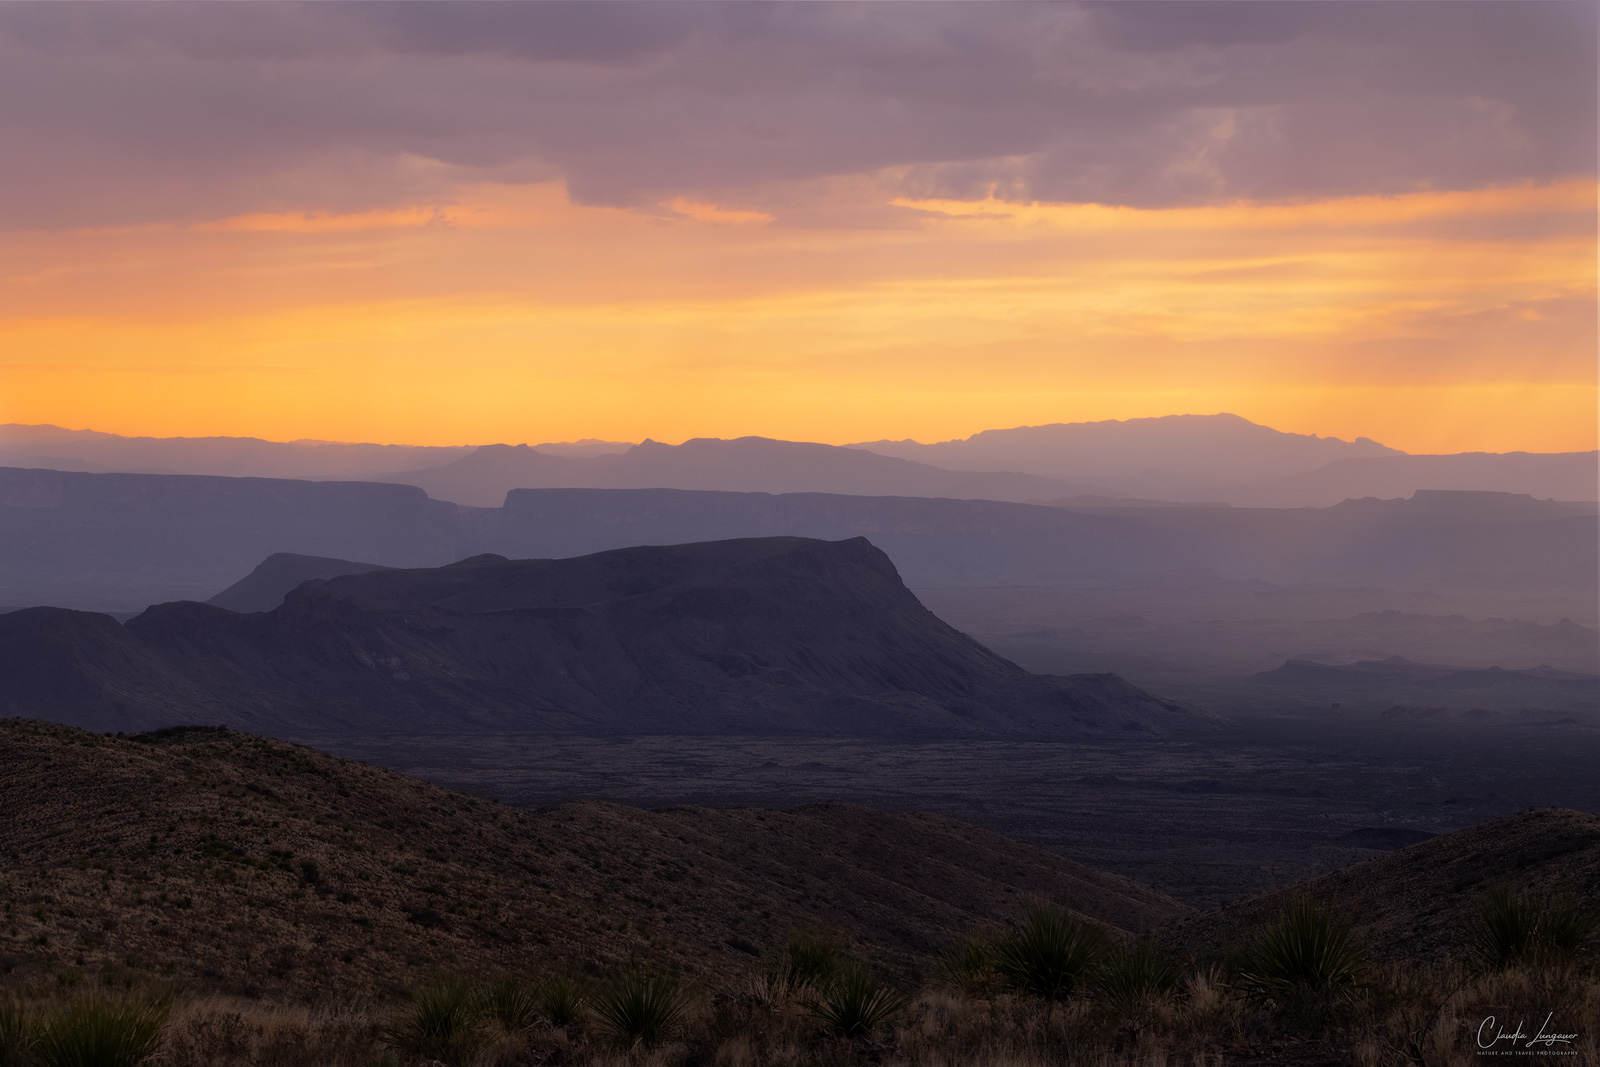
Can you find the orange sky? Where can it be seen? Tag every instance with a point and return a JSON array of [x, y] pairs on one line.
[[1432, 322]]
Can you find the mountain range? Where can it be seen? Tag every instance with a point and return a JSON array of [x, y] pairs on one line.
[[747, 464], [756, 637], [122, 541], [1177, 458]]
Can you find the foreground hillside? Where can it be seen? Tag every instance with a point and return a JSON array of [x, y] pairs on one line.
[[760, 636], [239, 901], [246, 865], [1419, 902]]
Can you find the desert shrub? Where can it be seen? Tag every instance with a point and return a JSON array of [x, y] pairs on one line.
[[1307, 948], [811, 960], [1512, 926], [641, 1010], [1132, 977], [16, 1033], [560, 1001], [512, 1004], [854, 1004], [100, 1033], [442, 1024], [1050, 956]]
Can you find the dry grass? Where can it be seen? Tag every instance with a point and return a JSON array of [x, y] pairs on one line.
[[1421, 1016]]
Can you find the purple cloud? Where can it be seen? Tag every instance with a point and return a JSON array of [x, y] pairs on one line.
[[126, 113]]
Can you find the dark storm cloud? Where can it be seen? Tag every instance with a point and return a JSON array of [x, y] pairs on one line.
[[127, 113]]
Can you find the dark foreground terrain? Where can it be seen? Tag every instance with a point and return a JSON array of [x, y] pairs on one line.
[[214, 898], [1257, 804]]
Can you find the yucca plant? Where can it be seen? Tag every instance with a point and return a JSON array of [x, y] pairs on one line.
[[512, 1004], [641, 1010], [1513, 926], [16, 1034], [1050, 956], [443, 1024], [100, 1033], [854, 1004], [1133, 977], [560, 1001], [1307, 949]]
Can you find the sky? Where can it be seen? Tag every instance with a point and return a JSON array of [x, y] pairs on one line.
[[463, 223]]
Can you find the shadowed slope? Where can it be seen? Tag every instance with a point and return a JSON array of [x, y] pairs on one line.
[[254, 866], [280, 573], [774, 635], [1419, 902]]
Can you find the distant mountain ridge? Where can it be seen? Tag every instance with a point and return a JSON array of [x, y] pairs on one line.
[[1398, 681], [1228, 458], [1207, 448], [764, 636], [120, 542], [745, 464], [1176, 459]]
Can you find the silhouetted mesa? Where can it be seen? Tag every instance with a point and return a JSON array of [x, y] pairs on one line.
[[760, 636]]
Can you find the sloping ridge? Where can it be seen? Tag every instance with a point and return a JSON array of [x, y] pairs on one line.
[[280, 574], [757, 636], [1418, 902], [352, 878]]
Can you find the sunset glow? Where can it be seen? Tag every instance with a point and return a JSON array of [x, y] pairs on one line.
[[832, 308]]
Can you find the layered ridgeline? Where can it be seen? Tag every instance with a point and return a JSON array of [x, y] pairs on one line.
[[1175, 458], [239, 864], [760, 636], [119, 542]]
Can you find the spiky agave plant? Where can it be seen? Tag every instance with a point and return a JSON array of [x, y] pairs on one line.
[[91, 1032], [1307, 949], [561, 1001], [512, 1004], [854, 1004], [641, 1010], [443, 1023], [1513, 926], [16, 1033], [1050, 956]]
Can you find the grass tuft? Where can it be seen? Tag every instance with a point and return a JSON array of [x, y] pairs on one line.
[[811, 960], [442, 1024], [100, 1033], [1132, 978], [16, 1034]]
